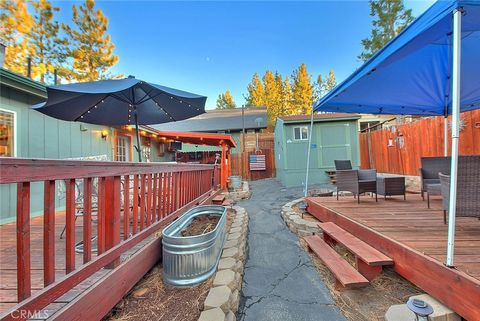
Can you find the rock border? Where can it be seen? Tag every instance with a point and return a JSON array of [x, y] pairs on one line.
[[223, 298], [241, 193], [296, 223]]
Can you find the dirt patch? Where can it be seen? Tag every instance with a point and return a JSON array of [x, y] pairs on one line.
[[201, 225], [151, 299]]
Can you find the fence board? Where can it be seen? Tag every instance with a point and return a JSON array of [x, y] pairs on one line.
[[413, 141]]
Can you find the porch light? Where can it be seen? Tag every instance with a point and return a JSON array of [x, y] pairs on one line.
[[104, 134], [421, 309]]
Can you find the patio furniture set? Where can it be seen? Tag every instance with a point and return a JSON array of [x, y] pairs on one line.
[[435, 180], [367, 180]]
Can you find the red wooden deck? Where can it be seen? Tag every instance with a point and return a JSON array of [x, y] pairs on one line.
[[415, 238]]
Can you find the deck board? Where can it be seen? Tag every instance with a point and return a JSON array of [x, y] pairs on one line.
[[417, 230]]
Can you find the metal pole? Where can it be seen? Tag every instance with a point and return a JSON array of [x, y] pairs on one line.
[[445, 136], [309, 147], [139, 150], [457, 36]]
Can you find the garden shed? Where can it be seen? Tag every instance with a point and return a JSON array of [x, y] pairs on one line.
[[334, 136]]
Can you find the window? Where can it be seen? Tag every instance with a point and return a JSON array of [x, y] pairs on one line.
[[7, 133], [146, 153], [123, 148], [300, 133]]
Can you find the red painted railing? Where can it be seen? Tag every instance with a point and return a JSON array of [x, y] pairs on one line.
[[145, 195]]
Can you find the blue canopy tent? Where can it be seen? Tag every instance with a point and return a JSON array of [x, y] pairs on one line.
[[432, 68]]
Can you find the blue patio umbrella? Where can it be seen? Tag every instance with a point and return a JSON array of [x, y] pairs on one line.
[[128, 101]]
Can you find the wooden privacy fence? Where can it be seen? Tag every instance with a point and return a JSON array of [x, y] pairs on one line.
[[255, 144], [159, 193], [398, 149]]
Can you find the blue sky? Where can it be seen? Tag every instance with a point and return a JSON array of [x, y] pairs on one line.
[[209, 47]]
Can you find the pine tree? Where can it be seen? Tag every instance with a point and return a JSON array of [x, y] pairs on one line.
[[15, 23], [390, 18], [256, 92], [323, 86], [92, 48], [49, 50], [225, 101], [302, 91], [273, 96], [287, 106]]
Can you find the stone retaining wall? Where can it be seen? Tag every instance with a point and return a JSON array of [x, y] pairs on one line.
[[223, 298], [296, 223]]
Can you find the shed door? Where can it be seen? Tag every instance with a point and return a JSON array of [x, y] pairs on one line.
[[334, 143]]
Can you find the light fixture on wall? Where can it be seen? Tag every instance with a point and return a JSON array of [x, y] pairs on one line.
[[83, 128], [104, 134]]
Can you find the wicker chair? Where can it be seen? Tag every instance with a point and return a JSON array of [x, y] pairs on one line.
[[431, 166], [468, 188], [357, 182], [342, 164]]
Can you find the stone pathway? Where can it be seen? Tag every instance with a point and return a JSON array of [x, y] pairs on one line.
[[280, 282]]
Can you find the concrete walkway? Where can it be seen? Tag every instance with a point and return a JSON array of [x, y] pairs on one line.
[[280, 282]]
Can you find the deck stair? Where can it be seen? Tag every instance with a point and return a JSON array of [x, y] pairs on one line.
[[218, 199], [369, 261], [346, 276]]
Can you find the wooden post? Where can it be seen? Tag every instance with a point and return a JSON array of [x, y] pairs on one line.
[[112, 215], [70, 225], [87, 220], [23, 241], [49, 233], [223, 168]]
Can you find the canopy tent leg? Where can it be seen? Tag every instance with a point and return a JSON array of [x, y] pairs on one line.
[[138, 148], [456, 48], [445, 136], [309, 147]]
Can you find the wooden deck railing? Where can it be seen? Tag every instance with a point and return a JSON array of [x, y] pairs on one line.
[[145, 195]]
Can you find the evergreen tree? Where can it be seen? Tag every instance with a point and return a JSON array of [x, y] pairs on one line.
[[92, 48], [390, 18], [323, 86], [256, 93], [287, 106], [15, 24], [273, 96], [302, 91], [225, 101], [49, 49]]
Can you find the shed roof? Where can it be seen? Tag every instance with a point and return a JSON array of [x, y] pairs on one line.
[[319, 117], [219, 120]]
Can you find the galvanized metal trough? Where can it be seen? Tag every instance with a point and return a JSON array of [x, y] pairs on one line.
[[190, 260]]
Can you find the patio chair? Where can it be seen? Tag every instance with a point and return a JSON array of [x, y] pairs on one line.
[[357, 182], [431, 166], [342, 164], [468, 188]]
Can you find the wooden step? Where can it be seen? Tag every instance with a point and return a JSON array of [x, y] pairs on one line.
[[218, 199], [227, 202], [344, 273], [369, 260]]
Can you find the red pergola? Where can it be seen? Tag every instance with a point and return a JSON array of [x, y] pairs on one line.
[[224, 141]]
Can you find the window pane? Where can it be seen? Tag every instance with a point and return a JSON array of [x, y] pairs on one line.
[[296, 133], [7, 122], [304, 132]]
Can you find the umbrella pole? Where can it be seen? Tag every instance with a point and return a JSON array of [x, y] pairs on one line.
[[452, 206], [139, 150]]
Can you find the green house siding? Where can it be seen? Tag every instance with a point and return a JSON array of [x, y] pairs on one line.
[[331, 139]]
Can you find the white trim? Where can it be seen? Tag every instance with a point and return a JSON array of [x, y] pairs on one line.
[[15, 134], [300, 139]]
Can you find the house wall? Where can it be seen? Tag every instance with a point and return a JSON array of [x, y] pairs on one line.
[[332, 139], [40, 136]]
